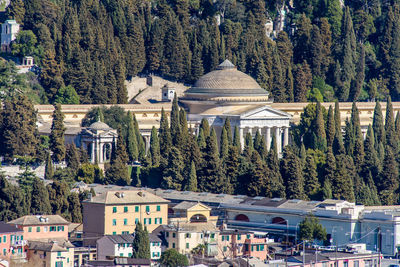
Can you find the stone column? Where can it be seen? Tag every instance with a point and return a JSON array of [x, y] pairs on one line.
[[241, 137], [278, 139], [285, 136], [250, 131], [92, 156], [147, 143], [268, 137]]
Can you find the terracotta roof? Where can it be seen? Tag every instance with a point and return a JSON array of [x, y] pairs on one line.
[[126, 197], [6, 228], [39, 220]]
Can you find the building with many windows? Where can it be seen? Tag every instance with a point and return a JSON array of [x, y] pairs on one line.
[[118, 212], [111, 246], [37, 227], [51, 254], [11, 242]]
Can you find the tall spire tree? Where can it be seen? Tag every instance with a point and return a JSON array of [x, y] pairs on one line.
[[154, 147], [292, 174], [164, 135], [378, 126], [175, 123], [57, 141], [391, 137]]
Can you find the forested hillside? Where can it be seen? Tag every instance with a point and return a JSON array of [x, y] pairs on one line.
[[349, 52]]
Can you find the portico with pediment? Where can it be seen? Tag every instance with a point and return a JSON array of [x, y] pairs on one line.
[[229, 93]]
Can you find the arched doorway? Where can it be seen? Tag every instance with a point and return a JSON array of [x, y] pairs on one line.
[[279, 220], [242, 217], [197, 218]]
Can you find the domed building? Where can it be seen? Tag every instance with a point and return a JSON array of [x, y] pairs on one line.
[[229, 93], [98, 140]]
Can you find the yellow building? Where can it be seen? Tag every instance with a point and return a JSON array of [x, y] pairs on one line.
[[51, 254], [192, 225], [118, 212]]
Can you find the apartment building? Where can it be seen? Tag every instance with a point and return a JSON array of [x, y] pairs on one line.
[[51, 254], [12, 243], [118, 212], [111, 246], [36, 227]]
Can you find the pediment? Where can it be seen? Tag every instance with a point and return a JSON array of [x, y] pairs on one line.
[[265, 112]]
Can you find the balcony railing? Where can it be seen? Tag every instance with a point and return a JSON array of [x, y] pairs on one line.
[[18, 243]]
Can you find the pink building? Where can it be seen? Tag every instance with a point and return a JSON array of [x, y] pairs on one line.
[[336, 259], [237, 243], [36, 227], [11, 242]]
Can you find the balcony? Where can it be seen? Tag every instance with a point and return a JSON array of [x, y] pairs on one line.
[[18, 256], [18, 243]]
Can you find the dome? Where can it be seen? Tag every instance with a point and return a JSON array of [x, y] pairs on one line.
[[224, 83], [98, 125]]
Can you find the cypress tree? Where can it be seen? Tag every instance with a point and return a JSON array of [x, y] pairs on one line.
[[371, 161], [231, 165], [49, 169], [391, 139], [330, 128], [117, 173], [75, 208], [58, 197], [224, 144], [228, 128], [320, 128], [191, 184], [360, 75], [236, 139], [140, 140], [303, 82], [175, 123], [378, 126], [40, 203], [329, 171], [205, 126], [154, 147], [342, 186], [72, 157], [184, 134], [349, 138], [141, 243], [201, 140], [292, 174], [120, 151], [311, 183], [277, 185], [393, 67], [172, 174], [334, 14], [248, 145], [57, 142], [258, 183], [316, 52], [131, 140], [164, 135], [338, 146], [358, 151], [388, 182], [397, 125]]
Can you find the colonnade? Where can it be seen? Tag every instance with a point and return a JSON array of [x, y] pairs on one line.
[[267, 133], [98, 151]]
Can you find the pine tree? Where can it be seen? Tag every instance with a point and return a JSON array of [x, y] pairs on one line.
[[360, 75], [50, 75], [40, 203], [319, 128], [57, 142], [378, 126], [388, 182], [236, 139], [154, 147], [49, 169], [302, 39], [141, 243], [14, 203], [303, 81], [117, 173], [231, 165], [342, 186], [120, 151], [205, 126], [358, 150], [75, 208], [228, 128], [338, 147], [172, 174], [272, 160], [292, 174], [316, 52], [191, 184], [311, 183], [258, 183]]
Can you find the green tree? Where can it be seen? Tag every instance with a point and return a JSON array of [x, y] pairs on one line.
[[57, 140], [25, 44], [131, 140], [378, 125], [175, 123], [66, 95], [388, 181], [172, 174], [72, 157], [164, 135], [391, 136], [13, 201], [191, 184], [49, 169], [141, 243], [40, 203], [155, 147], [334, 14], [258, 182], [330, 127], [292, 174], [75, 208], [172, 258], [311, 183], [58, 197], [117, 173], [89, 173], [311, 229], [16, 10], [224, 144], [50, 76]]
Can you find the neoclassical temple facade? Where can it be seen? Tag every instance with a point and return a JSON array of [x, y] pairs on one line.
[[229, 93]]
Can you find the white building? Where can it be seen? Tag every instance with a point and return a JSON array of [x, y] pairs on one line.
[[156, 247], [9, 31], [111, 246]]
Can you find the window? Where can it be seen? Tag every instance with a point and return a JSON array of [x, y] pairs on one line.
[[173, 235], [52, 228], [201, 235], [45, 229], [149, 220], [114, 209], [356, 263], [239, 237], [227, 238], [114, 222], [125, 232], [212, 235], [145, 220], [4, 238], [158, 208], [30, 229], [187, 245], [59, 264], [38, 229], [173, 245], [125, 209], [129, 254], [125, 221], [223, 238], [121, 254], [58, 254], [155, 220], [136, 208], [248, 236], [136, 221], [147, 208], [262, 247], [225, 248], [167, 234], [4, 251], [160, 220], [114, 233], [345, 264], [187, 235]]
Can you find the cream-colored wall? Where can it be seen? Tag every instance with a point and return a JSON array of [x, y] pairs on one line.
[[34, 235], [131, 215], [66, 257], [194, 240]]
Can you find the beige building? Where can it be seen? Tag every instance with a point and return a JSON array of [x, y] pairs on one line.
[[51, 254], [118, 212], [192, 225]]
